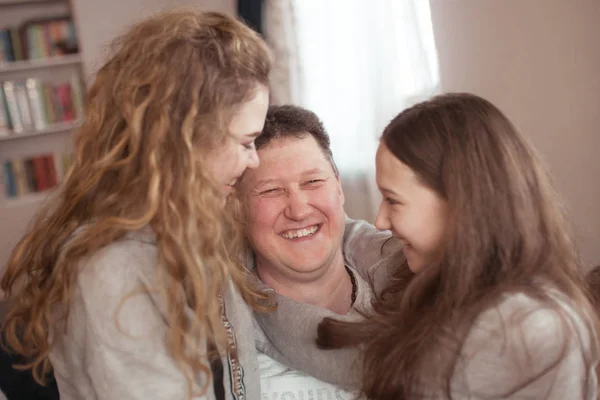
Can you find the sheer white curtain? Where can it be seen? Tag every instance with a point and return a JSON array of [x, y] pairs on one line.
[[355, 63]]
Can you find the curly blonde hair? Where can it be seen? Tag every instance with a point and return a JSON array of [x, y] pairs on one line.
[[159, 105]]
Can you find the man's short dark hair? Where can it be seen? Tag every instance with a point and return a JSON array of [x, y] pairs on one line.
[[289, 121]]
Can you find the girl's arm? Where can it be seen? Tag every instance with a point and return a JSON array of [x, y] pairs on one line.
[[112, 349], [525, 350], [372, 253]]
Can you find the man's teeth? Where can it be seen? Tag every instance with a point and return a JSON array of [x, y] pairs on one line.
[[300, 232]]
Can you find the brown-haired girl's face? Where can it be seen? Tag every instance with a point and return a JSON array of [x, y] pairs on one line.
[[230, 161], [414, 213]]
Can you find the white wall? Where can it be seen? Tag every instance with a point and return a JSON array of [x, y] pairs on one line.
[[539, 61], [98, 22]]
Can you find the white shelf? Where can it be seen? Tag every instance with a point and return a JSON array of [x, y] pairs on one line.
[[54, 128], [24, 2], [39, 63], [29, 198]]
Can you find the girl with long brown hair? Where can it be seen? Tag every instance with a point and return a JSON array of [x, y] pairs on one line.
[[131, 274], [489, 299]]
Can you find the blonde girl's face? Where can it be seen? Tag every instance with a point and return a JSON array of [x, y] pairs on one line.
[[238, 153], [412, 211]]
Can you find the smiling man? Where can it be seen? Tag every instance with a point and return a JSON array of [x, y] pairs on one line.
[[303, 249], [296, 214]]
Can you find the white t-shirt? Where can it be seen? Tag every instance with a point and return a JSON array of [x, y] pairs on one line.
[[279, 382]]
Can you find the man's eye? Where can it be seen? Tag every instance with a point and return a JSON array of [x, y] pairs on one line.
[[269, 191], [248, 146], [314, 181]]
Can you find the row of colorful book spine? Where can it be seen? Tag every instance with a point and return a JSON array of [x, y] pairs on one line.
[[36, 39], [34, 105], [35, 174]]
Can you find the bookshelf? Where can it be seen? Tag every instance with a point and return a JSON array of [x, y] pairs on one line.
[[41, 104], [9, 3], [58, 127], [25, 65], [29, 199]]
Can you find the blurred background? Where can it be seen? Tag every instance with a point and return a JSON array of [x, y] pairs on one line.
[[356, 63]]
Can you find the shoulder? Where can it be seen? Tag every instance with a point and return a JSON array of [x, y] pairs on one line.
[[528, 345], [114, 267], [553, 320], [120, 278], [374, 254], [361, 236], [116, 326]]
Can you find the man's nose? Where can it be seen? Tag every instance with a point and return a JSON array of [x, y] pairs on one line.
[[298, 206]]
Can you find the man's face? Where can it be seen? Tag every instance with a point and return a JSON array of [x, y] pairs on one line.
[[295, 209]]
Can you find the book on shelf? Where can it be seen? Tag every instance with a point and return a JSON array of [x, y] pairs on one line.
[[40, 38], [4, 123], [34, 105], [35, 174]]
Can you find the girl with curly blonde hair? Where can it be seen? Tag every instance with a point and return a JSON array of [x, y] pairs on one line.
[[128, 284]]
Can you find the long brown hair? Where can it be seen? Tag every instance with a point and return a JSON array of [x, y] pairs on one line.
[[593, 280], [162, 101], [506, 232]]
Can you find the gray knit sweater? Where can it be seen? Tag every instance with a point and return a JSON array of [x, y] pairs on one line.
[[93, 358]]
